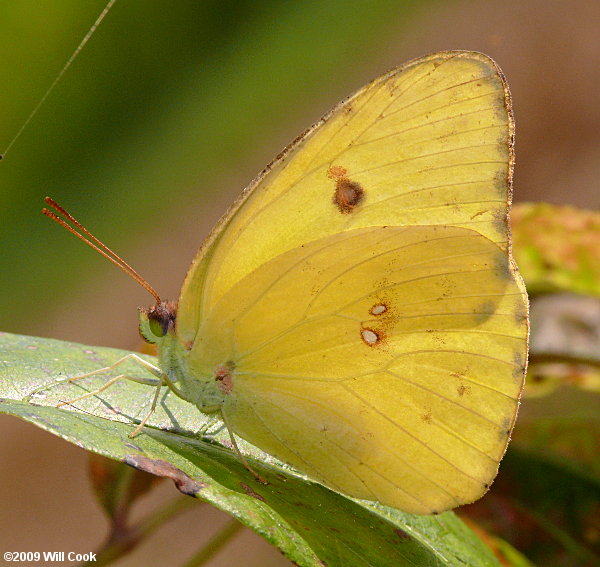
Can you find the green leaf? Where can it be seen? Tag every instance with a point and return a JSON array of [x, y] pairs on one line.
[[309, 523], [557, 248]]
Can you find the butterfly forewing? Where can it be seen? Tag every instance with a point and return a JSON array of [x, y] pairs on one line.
[[428, 143]]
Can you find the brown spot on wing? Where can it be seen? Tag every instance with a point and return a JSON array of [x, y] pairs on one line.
[[348, 194], [224, 378], [372, 337], [462, 390], [336, 172], [378, 309]]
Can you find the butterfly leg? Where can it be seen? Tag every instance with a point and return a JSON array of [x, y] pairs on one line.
[[108, 384], [150, 412], [212, 420], [157, 382], [134, 358], [239, 453], [148, 381]]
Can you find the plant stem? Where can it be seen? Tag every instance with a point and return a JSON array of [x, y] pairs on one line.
[[127, 540], [230, 529]]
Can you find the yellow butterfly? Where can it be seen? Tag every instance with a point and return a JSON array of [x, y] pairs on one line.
[[357, 312]]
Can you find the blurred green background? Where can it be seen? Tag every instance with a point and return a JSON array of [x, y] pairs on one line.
[[168, 112]]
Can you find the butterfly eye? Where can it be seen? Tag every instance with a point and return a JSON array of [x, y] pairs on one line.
[[159, 319], [159, 323], [156, 322]]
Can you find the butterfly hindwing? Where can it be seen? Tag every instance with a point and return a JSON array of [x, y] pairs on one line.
[[377, 360]]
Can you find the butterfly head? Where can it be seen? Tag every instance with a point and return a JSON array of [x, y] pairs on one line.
[[157, 321]]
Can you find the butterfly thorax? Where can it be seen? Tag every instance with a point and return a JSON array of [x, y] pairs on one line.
[[207, 392]]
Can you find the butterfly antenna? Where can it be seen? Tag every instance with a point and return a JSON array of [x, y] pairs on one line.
[[95, 243]]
